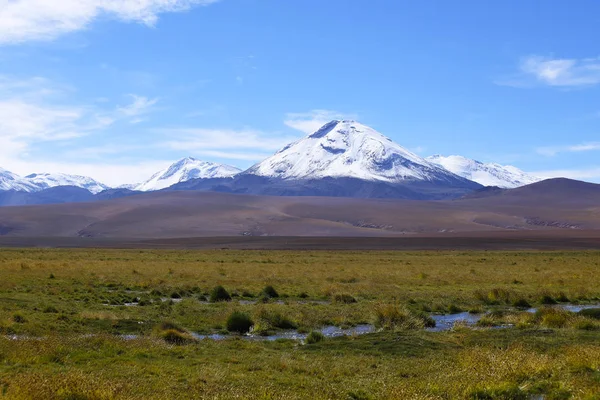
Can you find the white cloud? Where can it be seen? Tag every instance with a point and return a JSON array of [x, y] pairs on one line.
[[32, 112], [588, 174], [554, 150], [245, 144], [310, 122], [233, 155], [33, 20], [139, 106], [556, 72], [20, 120]]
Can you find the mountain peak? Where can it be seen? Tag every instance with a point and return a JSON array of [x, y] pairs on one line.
[[184, 170], [47, 180], [487, 174], [349, 149]]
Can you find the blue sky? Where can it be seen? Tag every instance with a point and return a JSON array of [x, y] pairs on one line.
[[117, 89]]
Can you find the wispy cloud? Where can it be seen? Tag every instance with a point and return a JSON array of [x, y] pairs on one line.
[[557, 72], [310, 122], [138, 108], [34, 20], [34, 112], [245, 144], [26, 116], [554, 150]]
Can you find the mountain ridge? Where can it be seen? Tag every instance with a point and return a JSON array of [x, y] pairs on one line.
[[179, 214], [486, 174], [184, 170]]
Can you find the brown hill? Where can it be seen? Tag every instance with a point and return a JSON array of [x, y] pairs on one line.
[[555, 205]]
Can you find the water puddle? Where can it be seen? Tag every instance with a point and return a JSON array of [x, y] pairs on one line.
[[446, 322], [443, 323], [328, 331], [575, 308]]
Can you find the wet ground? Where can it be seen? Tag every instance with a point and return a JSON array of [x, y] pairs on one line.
[[443, 323]]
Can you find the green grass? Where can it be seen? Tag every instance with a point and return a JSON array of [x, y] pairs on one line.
[[69, 306]]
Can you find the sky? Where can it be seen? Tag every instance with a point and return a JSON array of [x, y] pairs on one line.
[[118, 89]]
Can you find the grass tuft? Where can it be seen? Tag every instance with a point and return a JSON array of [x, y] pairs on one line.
[[269, 291], [315, 337], [219, 294], [521, 303], [239, 322], [344, 298], [393, 317]]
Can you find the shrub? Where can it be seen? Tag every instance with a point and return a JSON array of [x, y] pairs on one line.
[[493, 297], [454, 309], [359, 395], [18, 318], [239, 322], [175, 295], [498, 295], [173, 336], [144, 302], [344, 298], [315, 337], [202, 298], [521, 303], [50, 310], [590, 313], [269, 291], [505, 392], [547, 300], [586, 325], [219, 294], [269, 319], [389, 316], [562, 298], [552, 318], [166, 326]]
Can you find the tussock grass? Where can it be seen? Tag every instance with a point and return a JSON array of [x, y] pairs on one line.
[[70, 346], [315, 337], [219, 293], [392, 317]]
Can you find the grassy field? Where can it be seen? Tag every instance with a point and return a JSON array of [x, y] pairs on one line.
[[62, 314]]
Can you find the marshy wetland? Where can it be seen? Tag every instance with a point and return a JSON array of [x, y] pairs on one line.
[[142, 324]]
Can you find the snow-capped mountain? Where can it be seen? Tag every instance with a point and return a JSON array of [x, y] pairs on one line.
[[487, 174], [184, 170], [38, 182], [348, 149], [12, 181], [45, 181]]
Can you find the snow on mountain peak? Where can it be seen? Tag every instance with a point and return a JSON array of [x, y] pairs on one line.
[[348, 149], [12, 181], [37, 182], [184, 170], [487, 174], [45, 181]]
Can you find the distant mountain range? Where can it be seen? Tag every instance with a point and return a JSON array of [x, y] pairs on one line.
[[184, 170], [490, 174], [547, 207], [342, 159], [38, 182]]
